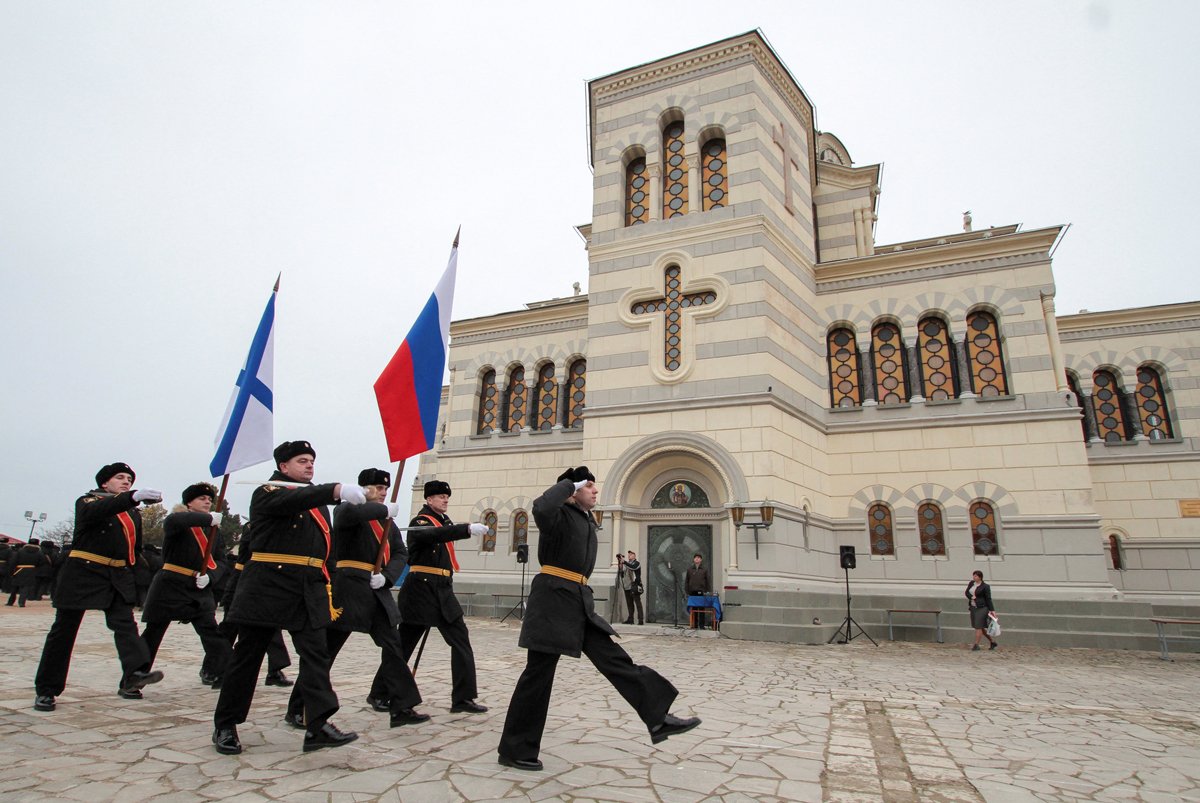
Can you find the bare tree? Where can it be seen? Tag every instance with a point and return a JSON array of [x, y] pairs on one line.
[[60, 533]]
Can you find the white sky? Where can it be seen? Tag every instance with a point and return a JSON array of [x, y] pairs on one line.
[[160, 163]]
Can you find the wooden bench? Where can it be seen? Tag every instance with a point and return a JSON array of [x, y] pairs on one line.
[[937, 618], [1163, 636]]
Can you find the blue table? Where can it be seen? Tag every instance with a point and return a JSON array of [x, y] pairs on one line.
[[700, 604]]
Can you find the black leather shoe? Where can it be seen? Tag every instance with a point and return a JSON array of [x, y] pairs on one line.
[[207, 678], [627, 622], [533, 765], [44, 702], [226, 741], [407, 716], [129, 694], [672, 726], [217, 684], [379, 704], [327, 736], [136, 680], [277, 678], [467, 707], [295, 720]]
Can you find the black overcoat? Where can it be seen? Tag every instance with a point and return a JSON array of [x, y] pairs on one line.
[[559, 611], [173, 596], [427, 599], [354, 539], [84, 585], [277, 594], [24, 566]]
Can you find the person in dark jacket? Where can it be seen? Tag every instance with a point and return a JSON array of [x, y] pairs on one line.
[[98, 576], [285, 585], [561, 620], [979, 603], [6, 553], [45, 572], [427, 598], [363, 593], [23, 567], [180, 591]]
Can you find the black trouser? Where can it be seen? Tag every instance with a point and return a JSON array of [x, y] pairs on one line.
[[393, 672], [632, 599], [51, 676], [462, 659], [21, 594], [278, 658], [217, 651], [237, 691], [650, 694]]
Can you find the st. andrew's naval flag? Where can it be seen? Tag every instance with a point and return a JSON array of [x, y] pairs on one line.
[[246, 436]]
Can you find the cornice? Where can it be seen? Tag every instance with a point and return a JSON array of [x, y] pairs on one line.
[[570, 309], [511, 332], [1186, 312], [848, 177]]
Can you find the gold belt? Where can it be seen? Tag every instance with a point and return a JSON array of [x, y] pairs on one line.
[[281, 557], [574, 577], [94, 558], [237, 567], [171, 567], [430, 570], [356, 564]]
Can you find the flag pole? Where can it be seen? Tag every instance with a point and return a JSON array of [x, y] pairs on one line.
[[212, 531]]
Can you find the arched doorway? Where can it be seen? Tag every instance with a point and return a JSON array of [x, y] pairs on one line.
[[670, 549]]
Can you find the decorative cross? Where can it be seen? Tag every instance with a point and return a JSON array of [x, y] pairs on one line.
[[780, 138], [673, 302]]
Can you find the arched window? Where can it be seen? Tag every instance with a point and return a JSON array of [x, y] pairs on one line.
[[715, 174], [984, 536], [1106, 401], [1073, 385], [929, 523], [637, 192], [577, 393], [488, 544], [487, 403], [937, 362], [987, 361], [546, 396], [879, 523], [675, 172], [1114, 552], [516, 401], [1152, 405], [520, 529], [844, 381], [888, 348]]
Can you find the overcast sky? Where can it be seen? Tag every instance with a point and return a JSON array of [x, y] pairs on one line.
[[160, 163]]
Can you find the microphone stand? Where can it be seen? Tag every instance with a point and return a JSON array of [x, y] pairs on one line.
[[520, 605], [675, 608]]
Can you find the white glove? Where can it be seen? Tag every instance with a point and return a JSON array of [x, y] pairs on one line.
[[353, 494], [377, 580], [581, 483], [202, 580], [216, 519], [479, 529], [393, 509], [147, 495]]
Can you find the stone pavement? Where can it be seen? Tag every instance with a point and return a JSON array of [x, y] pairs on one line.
[[901, 722]]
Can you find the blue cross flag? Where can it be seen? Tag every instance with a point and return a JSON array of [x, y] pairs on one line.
[[246, 436]]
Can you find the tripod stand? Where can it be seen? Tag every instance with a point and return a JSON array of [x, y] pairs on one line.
[[844, 634], [520, 606], [675, 606]]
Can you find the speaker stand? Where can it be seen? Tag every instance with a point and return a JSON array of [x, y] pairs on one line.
[[844, 634], [520, 606]]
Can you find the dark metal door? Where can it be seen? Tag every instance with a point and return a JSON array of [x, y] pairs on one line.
[[671, 548]]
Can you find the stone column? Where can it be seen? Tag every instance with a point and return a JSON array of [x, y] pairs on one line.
[[1089, 418], [867, 370], [695, 185], [733, 545], [916, 387], [655, 198], [962, 364], [1056, 357], [1133, 418]]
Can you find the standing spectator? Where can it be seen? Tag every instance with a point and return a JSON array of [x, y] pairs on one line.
[[24, 566], [979, 602], [631, 583], [45, 572]]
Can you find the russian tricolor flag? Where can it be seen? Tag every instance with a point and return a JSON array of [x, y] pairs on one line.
[[409, 390]]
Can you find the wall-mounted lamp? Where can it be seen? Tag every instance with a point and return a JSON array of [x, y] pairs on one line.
[[598, 515], [766, 514]]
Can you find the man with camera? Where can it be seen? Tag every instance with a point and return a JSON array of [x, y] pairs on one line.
[[631, 584]]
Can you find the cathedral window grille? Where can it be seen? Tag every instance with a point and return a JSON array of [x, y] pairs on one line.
[[489, 520], [576, 393], [1106, 401], [520, 528], [637, 192], [673, 302], [879, 524], [987, 361], [984, 537], [675, 172], [715, 174], [937, 361], [516, 401], [844, 387], [891, 386], [487, 403], [1152, 406], [1073, 385], [1114, 552], [547, 396], [932, 533]]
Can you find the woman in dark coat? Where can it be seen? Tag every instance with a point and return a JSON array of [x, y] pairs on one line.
[[979, 603]]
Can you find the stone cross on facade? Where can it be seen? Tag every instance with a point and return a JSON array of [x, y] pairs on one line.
[[780, 138], [673, 302]]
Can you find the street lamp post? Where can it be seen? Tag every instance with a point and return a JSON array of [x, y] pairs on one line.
[[35, 521]]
